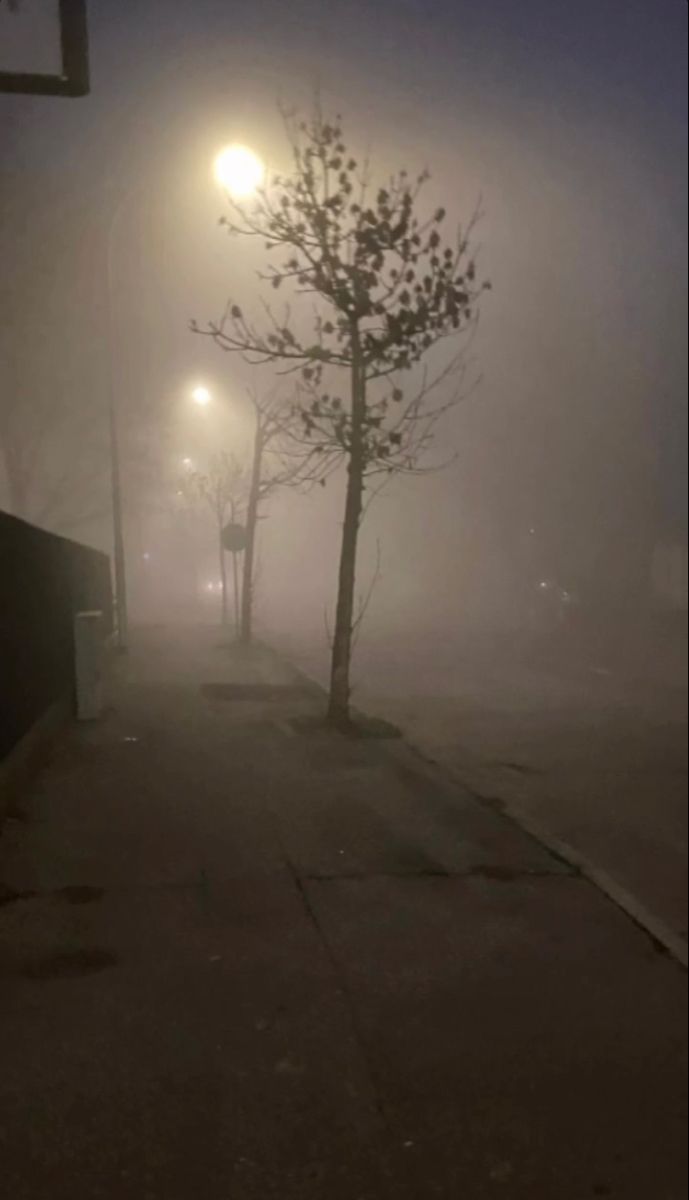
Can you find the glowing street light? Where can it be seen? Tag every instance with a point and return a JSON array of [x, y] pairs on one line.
[[201, 396], [239, 171], [187, 462]]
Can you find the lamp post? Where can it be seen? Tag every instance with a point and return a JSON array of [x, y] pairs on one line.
[[119, 560]]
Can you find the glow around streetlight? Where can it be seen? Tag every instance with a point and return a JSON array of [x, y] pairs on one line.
[[239, 171], [201, 396]]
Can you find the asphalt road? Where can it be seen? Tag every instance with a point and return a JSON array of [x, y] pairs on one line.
[[593, 754]]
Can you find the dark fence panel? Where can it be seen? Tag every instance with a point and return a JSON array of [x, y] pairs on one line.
[[44, 581]]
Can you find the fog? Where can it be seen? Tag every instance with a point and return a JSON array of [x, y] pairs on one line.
[[368, 879], [567, 123]]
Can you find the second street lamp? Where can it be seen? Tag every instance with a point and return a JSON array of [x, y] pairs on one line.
[[201, 396]]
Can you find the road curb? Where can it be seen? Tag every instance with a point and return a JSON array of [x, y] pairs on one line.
[[657, 929], [663, 937]]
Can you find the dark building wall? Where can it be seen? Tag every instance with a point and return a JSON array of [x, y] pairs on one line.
[[44, 581]]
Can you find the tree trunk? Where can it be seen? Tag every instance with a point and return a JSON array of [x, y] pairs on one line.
[[251, 525], [338, 703], [223, 581]]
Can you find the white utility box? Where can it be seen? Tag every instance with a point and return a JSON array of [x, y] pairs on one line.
[[89, 651]]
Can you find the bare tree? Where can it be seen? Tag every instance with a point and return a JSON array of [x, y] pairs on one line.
[[386, 289], [275, 463], [224, 490]]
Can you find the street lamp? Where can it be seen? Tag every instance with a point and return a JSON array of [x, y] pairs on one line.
[[201, 396], [239, 171]]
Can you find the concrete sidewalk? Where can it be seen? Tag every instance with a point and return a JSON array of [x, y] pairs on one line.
[[241, 959]]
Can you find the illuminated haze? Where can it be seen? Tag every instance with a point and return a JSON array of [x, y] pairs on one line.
[[567, 120]]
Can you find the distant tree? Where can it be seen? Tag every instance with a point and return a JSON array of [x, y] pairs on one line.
[[223, 489], [387, 289], [274, 464]]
